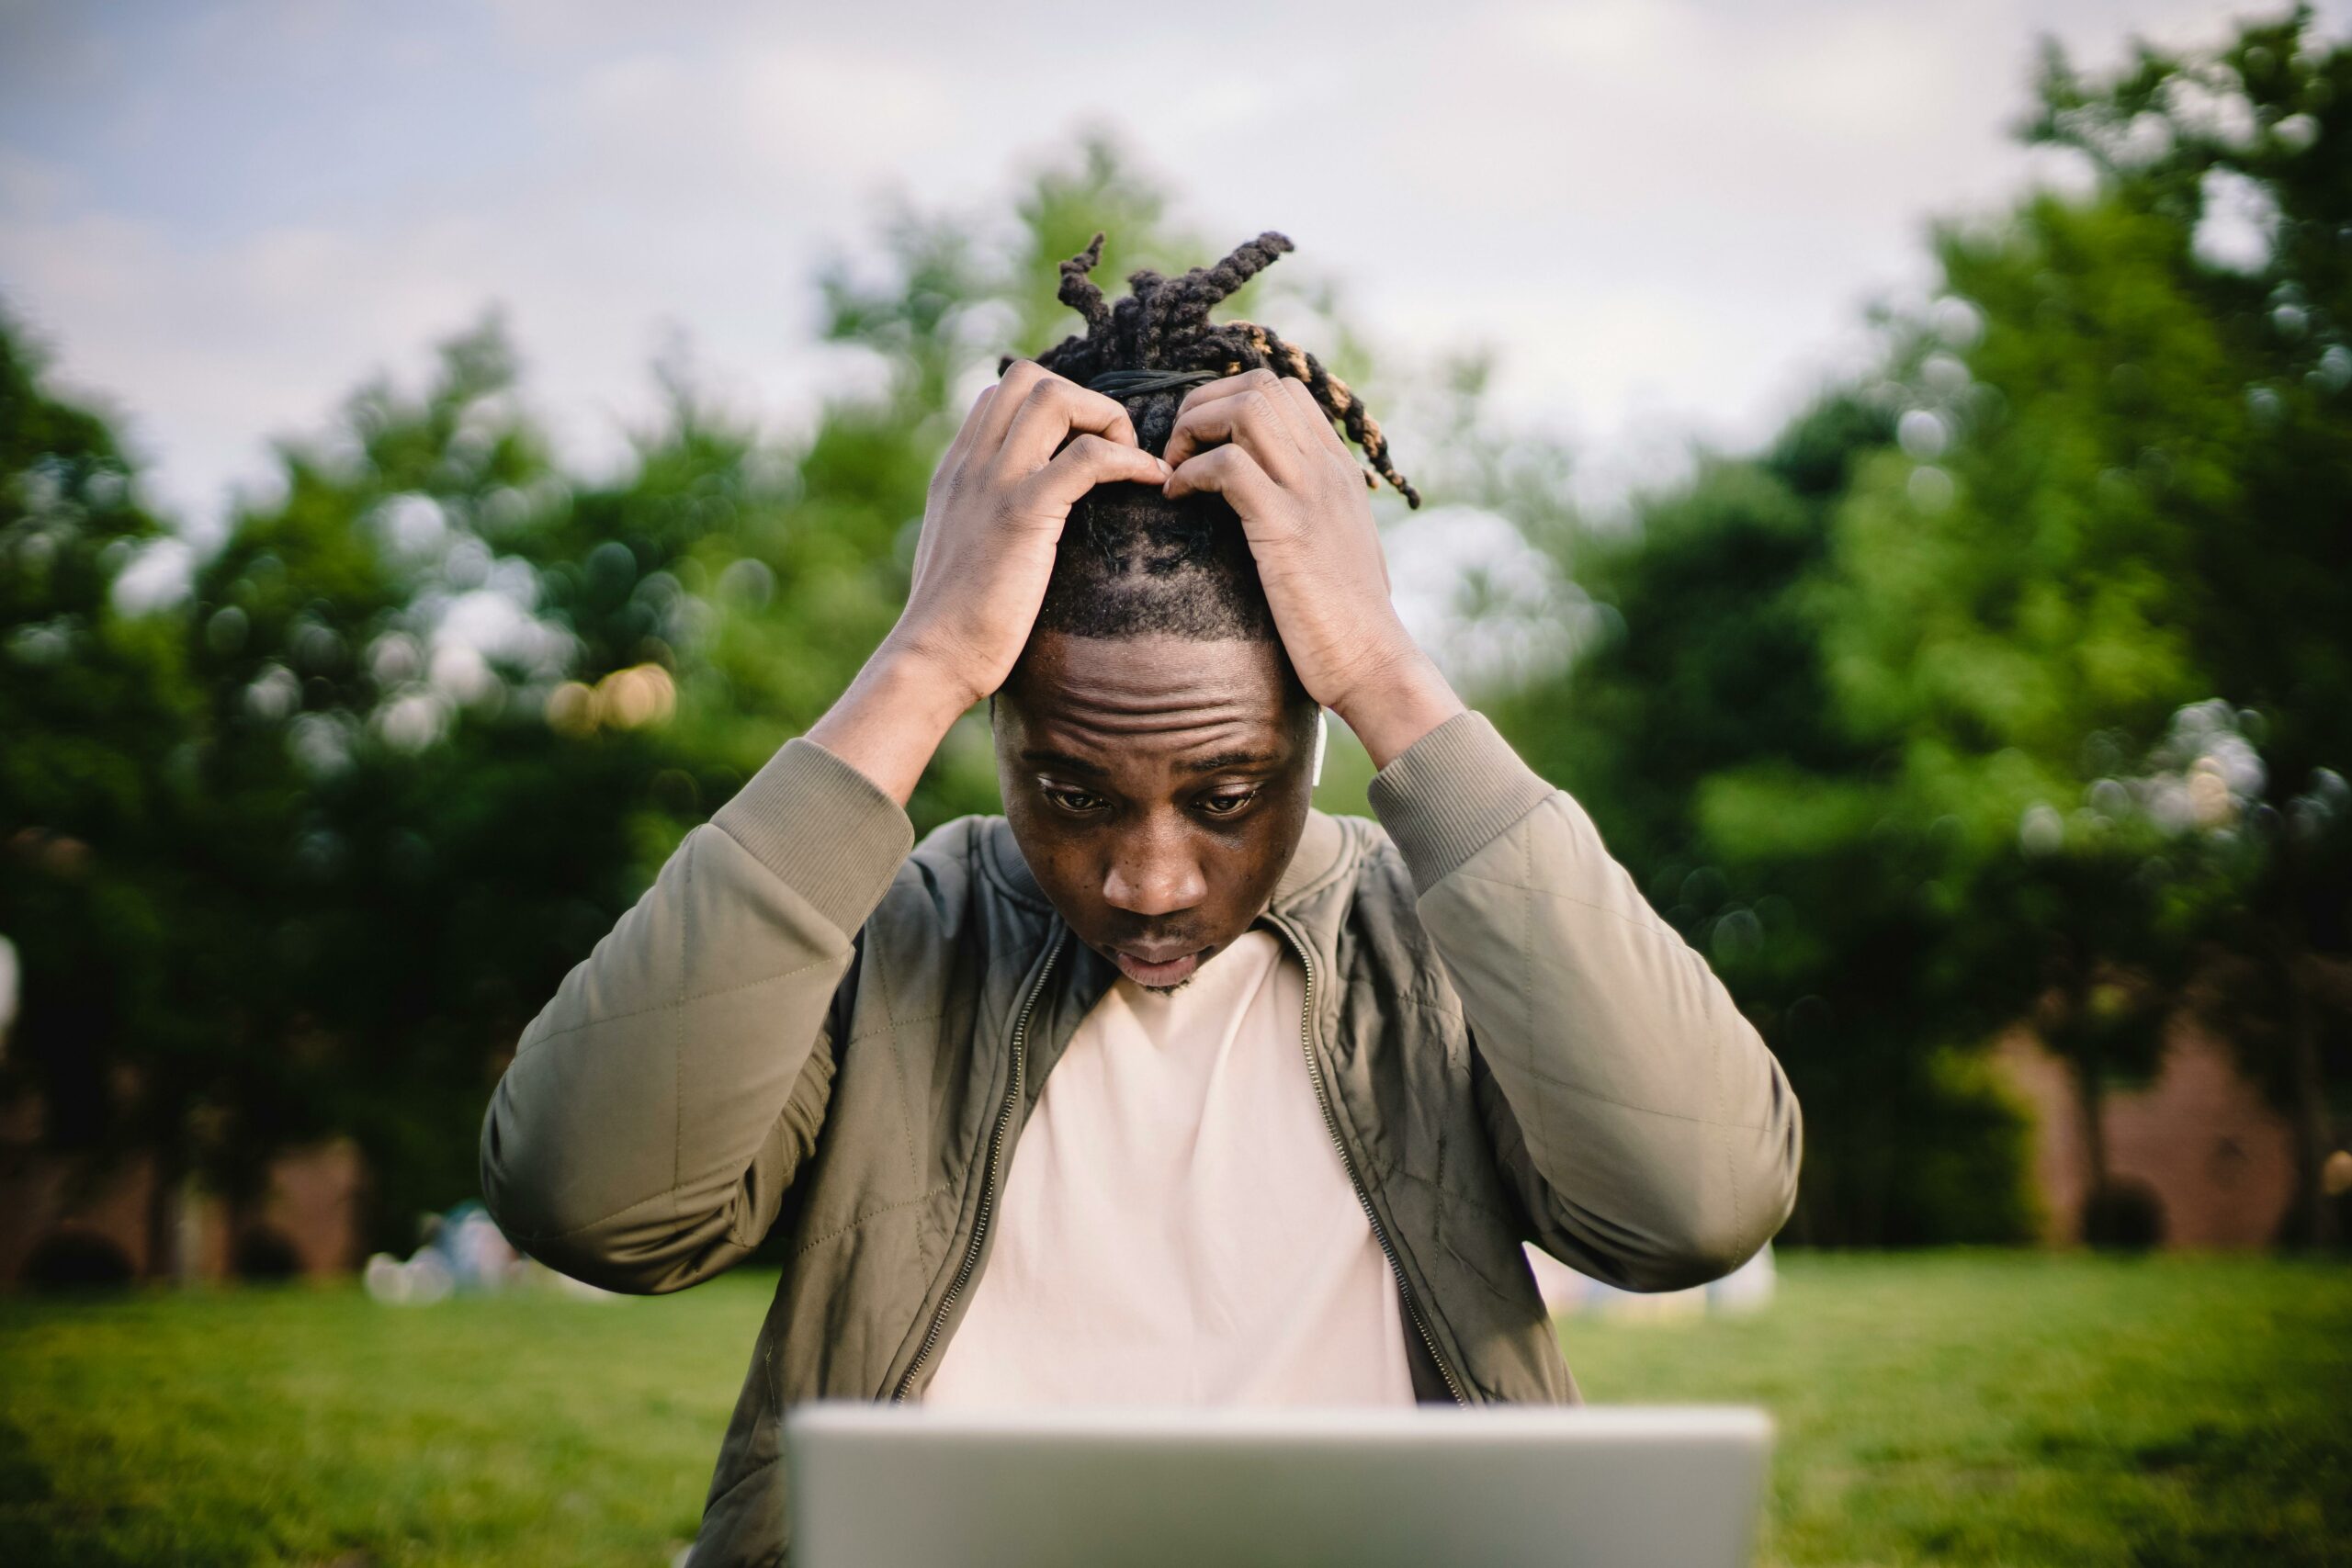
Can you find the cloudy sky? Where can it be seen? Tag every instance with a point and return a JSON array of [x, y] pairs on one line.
[[1666, 216]]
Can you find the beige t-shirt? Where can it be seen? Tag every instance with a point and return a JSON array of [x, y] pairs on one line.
[[1177, 1227]]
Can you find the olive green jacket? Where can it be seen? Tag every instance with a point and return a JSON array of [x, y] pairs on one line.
[[803, 1026]]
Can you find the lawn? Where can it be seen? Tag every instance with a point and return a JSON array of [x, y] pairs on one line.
[[1965, 1408]]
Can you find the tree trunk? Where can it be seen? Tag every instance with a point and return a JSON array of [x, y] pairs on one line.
[[2314, 1131], [2090, 1100], [2071, 1035], [167, 1198]]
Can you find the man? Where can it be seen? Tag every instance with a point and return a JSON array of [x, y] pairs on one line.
[[1163, 1086]]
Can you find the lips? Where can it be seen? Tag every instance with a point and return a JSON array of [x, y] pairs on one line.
[[1157, 969]]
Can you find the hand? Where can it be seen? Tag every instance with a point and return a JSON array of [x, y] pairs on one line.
[[1032, 445], [1261, 442]]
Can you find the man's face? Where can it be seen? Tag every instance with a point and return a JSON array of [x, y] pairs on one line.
[[1157, 787]]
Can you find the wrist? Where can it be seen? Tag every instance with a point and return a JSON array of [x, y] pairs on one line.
[[927, 673], [1404, 698], [892, 719], [923, 675]]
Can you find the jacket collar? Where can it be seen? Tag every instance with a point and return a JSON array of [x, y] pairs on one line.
[[1322, 849], [1329, 850]]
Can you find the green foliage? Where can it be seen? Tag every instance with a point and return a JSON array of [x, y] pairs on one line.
[[2008, 683], [2099, 601], [94, 705], [1702, 739], [302, 853], [395, 855]]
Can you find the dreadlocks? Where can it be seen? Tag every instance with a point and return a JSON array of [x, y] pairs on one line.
[[1164, 324], [1148, 564]]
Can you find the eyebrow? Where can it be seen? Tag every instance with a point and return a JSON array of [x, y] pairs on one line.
[[1065, 762], [1224, 759], [1218, 763]]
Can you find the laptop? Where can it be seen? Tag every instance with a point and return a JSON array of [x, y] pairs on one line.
[[885, 1486]]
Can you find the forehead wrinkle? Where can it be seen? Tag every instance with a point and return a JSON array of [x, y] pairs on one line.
[[1155, 688], [1216, 710], [1166, 696], [1223, 732]]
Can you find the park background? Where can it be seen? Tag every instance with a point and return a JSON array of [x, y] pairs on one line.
[[1941, 594]]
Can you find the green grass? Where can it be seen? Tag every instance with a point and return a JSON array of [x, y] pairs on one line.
[[1964, 1408], [2017, 1408]]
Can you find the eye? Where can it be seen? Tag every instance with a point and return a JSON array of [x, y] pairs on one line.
[[1227, 805], [1077, 802]]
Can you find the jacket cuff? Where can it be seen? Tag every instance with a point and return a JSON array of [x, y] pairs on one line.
[[1450, 794], [822, 827]]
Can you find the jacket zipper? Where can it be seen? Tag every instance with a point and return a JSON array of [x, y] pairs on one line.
[[988, 1180], [1372, 1217]]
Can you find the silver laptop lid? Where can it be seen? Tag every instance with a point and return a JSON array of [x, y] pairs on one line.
[[877, 1486]]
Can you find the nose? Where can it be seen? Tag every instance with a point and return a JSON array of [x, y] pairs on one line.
[[1153, 871]]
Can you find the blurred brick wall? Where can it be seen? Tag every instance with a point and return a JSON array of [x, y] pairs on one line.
[[311, 1207], [2200, 1139], [2217, 1159]]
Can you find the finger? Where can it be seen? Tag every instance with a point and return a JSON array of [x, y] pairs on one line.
[[1251, 418], [1292, 395], [1256, 380], [1312, 420], [1053, 409], [974, 417], [1012, 390], [1229, 472], [1087, 461]]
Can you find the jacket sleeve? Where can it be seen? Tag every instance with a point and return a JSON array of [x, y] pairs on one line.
[[1651, 1134], [660, 1102]]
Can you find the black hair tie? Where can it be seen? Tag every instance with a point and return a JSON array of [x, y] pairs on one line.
[[1141, 383]]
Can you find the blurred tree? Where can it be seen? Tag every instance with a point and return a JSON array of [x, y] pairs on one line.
[[2005, 685], [411, 811], [96, 706], [2120, 500], [1700, 733], [2258, 170], [298, 854], [2012, 685]]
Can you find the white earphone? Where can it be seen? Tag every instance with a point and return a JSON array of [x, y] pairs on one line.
[[1322, 739]]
